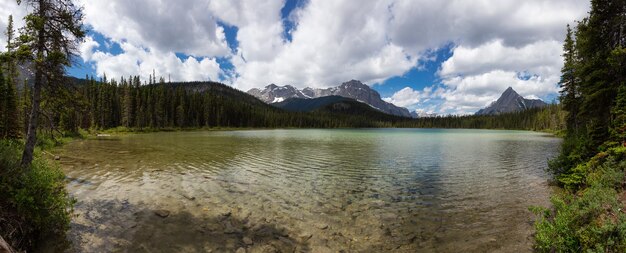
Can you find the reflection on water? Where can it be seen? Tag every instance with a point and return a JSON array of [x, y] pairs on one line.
[[308, 190]]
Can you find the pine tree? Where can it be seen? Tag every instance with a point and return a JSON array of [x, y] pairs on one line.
[[49, 39], [12, 115], [3, 104], [126, 104], [617, 61], [618, 131], [569, 85]]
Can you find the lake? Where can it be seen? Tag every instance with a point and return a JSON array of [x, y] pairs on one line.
[[357, 190]]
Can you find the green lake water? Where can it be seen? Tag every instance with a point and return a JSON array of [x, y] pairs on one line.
[[363, 190]]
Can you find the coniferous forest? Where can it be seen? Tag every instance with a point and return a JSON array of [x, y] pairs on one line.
[[589, 214]]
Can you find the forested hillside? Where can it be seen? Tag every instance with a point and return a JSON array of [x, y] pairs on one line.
[[131, 103]]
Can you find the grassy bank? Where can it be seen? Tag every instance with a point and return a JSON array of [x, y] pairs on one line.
[[128, 130], [589, 212]]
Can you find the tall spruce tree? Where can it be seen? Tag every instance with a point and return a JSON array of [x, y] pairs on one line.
[[2, 105], [12, 116], [597, 37], [48, 41], [593, 76], [569, 86]]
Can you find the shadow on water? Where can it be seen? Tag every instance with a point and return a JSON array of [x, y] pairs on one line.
[[118, 226]]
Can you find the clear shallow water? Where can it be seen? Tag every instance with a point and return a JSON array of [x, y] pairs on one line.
[[401, 190]]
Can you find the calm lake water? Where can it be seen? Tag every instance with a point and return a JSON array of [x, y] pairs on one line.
[[400, 190]]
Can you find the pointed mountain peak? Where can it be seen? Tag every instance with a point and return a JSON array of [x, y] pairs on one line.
[[510, 101], [509, 90]]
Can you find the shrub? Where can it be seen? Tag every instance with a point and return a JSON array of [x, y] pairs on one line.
[[590, 219], [34, 203]]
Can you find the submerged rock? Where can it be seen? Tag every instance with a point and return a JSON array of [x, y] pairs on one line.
[[162, 213], [322, 226], [305, 236], [247, 240], [230, 229], [187, 196]]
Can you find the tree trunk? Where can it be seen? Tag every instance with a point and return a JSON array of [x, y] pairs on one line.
[[5, 247], [31, 136]]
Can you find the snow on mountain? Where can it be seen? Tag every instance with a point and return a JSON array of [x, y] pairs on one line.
[[352, 89]]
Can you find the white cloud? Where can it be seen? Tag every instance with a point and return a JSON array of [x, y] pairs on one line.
[[87, 48], [259, 23], [426, 24], [373, 41], [498, 44], [468, 94], [334, 41], [140, 61], [541, 57], [408, 97], [474, 77], [176, 26]]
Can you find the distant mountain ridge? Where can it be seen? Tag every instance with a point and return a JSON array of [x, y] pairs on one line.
[[510, 101], [352, 89], [309, 104]]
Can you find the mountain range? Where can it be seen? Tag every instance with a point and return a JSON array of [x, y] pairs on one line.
[[510, 101], [352, 89]]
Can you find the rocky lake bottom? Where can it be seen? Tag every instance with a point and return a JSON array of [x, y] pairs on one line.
[[380, 190]]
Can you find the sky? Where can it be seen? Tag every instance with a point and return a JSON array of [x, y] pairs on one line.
[[433, 56]]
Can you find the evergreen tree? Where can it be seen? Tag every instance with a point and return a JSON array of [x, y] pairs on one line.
[[11, 120], [617, 61], [49, 40], [570, 97], [127, 104], [597, 37], [3, 109], [12, 115], [592, 80], [618, 131]]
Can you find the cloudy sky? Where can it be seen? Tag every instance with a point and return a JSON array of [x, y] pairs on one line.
[[452, 56]]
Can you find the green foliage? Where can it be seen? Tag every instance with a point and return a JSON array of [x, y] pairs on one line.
[[9, 114], [618, 129], [592, 219], [42, 198], [35, 199]]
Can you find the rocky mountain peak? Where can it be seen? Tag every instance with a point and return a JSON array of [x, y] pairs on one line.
[[510, 101], [352, 89]]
